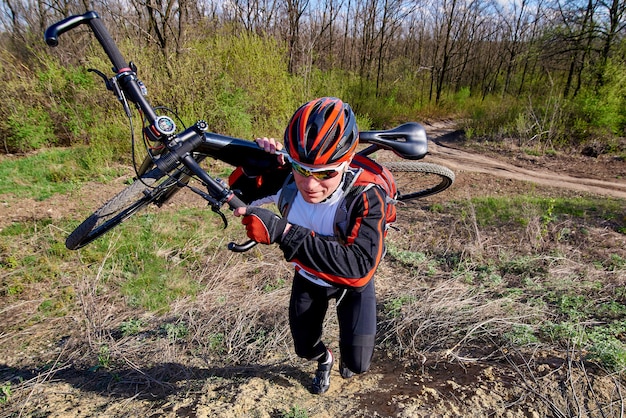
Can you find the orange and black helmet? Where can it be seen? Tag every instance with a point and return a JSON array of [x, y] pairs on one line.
[[322, 131]]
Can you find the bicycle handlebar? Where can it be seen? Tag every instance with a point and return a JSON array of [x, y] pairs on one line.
[[125, 75], [181, 149]]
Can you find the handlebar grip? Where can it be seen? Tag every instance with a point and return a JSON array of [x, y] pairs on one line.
[[235, 202], [51, 35], [240, 248], [108, 44]]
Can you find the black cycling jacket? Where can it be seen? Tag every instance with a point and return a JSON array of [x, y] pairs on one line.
[[350, 263]]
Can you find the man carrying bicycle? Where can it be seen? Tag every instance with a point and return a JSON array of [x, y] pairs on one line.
[[334, 242]]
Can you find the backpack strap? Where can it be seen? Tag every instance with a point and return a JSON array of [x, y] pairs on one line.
[[287, 195], [351, 192]]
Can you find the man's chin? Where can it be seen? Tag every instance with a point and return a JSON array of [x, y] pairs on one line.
[[312, 198]]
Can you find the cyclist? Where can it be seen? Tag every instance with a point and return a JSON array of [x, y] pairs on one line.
[[331, 260]]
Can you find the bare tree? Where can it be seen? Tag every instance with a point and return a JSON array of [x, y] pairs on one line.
[[393, 14], [160, 20], [531, 46], [516, 19], [255, 15], [295, 10], [573, 41], [504, 46], [324, 28], [611, 29], [367, 21]]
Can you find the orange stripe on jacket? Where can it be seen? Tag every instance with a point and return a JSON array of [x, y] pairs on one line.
[[348, 281]]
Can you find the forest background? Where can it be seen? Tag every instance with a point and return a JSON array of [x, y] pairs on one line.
[[550, 73]]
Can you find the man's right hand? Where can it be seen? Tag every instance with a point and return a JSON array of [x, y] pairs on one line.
[[272, 146], [263, 225]]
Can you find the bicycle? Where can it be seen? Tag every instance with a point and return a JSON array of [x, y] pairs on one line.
[[174, 156]]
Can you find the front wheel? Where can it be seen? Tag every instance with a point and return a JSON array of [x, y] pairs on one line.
[[150, 187], [417, 179]]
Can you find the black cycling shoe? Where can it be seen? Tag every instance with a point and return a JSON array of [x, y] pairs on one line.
[[345, 372], [321, 381]]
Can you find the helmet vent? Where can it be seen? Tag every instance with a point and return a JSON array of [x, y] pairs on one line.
[[311, 133]]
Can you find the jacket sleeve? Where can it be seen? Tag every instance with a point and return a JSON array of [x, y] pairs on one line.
[[252, 187], [349, 264]]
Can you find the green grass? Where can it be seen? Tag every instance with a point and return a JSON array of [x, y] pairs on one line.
[[31, 254], [5, 392], [160, 260], [132, 326], [294, 412], [522, 209], [52, 171], [156, 259], [157, 256], [571, 294]]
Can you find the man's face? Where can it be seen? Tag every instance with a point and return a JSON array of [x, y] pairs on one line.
[[315, 185]]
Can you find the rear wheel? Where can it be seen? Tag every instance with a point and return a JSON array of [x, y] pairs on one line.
[[152, 187], [418, 179]]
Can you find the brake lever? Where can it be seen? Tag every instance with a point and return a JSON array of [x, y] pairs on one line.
[[102, 76], [213, 203], [217, 210], [112, 85], [119, 93], [215, 207]]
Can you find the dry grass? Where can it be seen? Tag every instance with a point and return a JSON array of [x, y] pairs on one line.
[[463, 293]]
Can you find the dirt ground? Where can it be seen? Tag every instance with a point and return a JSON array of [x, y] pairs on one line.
[[421, 387]]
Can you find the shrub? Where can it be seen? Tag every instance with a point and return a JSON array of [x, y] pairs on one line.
[[28, 129]]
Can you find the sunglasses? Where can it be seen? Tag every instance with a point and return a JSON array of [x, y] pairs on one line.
[[317, 173]]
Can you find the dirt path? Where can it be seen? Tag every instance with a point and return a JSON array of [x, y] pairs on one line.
[[444, 149]]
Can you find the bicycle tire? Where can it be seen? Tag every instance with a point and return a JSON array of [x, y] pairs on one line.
[[126, 203], [443, 178]]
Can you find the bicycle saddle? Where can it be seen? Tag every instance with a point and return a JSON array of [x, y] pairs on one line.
[[408, 140]]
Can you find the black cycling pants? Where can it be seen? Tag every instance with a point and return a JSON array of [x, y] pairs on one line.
[[356, 315]]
